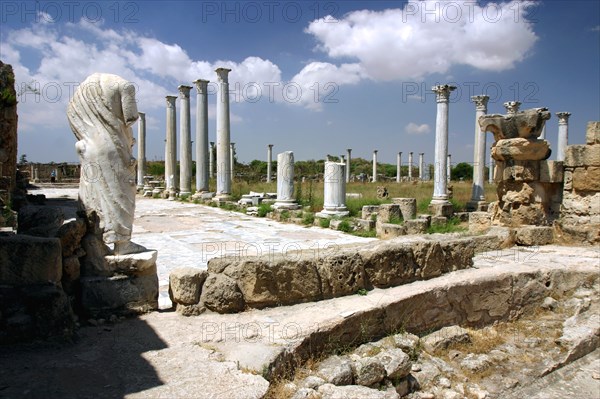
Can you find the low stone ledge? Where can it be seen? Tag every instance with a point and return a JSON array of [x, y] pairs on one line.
[[535, 235], [27, 260], [390, 230], [185, 285]]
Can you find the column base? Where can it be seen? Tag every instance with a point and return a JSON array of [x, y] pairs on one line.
[[221, 198], [185, 193], [477, 206], [329, 213], [440, 207], [289, 204], [203, 195]]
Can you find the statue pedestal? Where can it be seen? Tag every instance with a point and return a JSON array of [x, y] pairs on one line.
[[132, 287]]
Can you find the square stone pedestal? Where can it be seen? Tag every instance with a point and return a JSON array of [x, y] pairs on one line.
[[477, 206], [441, 209]]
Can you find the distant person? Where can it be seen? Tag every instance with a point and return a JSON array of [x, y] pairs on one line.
[[53, 176]]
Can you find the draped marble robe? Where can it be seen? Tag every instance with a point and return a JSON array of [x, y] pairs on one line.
[[101, 113]]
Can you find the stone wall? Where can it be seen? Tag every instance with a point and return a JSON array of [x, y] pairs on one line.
[[8, 133], [580, 211], [233, 284]]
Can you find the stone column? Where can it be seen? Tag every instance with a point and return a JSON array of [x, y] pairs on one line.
[[334, 203], [232, 159], [223, 137], [399, 167], [449, 168], [410, 165], [202, 155], [171, 148], [421, 165], [342, 159], [374, 166], [185, 137], [141, 150], [491, 168], [285, 181], [440, 189], [269, 162], [348, 157], [512, 107], [211, 160], [477, 191], [563, 134]]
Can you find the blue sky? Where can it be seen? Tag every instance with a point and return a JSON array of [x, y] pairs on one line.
[[311, 77]]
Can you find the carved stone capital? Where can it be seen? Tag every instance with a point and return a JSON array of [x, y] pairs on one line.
[[563, 117], [512, 107], [171, 101], [443, 92], [142, 116], [223, 74], [201, 86], [480, 102], [184, 91]]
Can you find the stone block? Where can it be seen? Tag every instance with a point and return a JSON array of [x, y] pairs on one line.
[[139, 264], [498, 171], [27, 259], [341, 274], [365, 224], [70, 234], [520, 149], [389, 230], [388, 264], [388, 212], [221, 294], [535, 235], [527, 171], [439, 220], [444, 337], [586, 179], [479, 222], [416, 226], [408, 207], [551, 171], [103, 295], [582, 155], [429, 258], [592, 133], [185, 285], [441, 209], [41, 221]]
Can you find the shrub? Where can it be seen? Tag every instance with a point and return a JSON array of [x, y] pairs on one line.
[[263, 209], [324, 222], [308, 218]]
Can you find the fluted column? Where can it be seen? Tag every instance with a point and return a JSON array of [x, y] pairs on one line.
[[543, 133], [421, 165], [477, 190], [512, 107], [269, 162], [211, 160], [399, 167], [563, 134], [232, 159], [491, 168], [202, 156], [141, 150], [223, 136], [440, 188], [449, 168], [171, 148], [410, 165], [185, 137], [348, 158], [285, 181], [374, 166]]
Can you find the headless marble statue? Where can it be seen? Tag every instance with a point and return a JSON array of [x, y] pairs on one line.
[[101, 113]]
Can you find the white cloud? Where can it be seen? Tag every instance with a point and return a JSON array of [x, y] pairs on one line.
[[429, 37], [413, 128]]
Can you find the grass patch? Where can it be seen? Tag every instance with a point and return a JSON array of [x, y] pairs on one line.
[[451, 226], [345, 226], [308, 218], [362, 292], [284, 215], [324, 222], [396, 220], [263, 209], [364, 233]]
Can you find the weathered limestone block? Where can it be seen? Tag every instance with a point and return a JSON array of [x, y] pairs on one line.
[[592, 133], [27, 259], [443, 209], [94, 262], [442, 338], [429, 257], [367, 371], [408, 207], [185, 285], [526, 171], [41, 221], [138, 264], [329, 391], [479, 222], [582, 155], [586, 179], [388, 212], [336, 370], [341, 274], [120, 293], [551, 171], [389, 264], [535, 235], [70, 234], [365, 224], [527, 124], [276, 280], [520, 149], [416, 226], [221, 294], [397, 363], [458, 254], [389, 230], [71, 268]]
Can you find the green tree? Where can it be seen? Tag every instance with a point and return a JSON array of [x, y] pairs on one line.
[[462, 171]]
